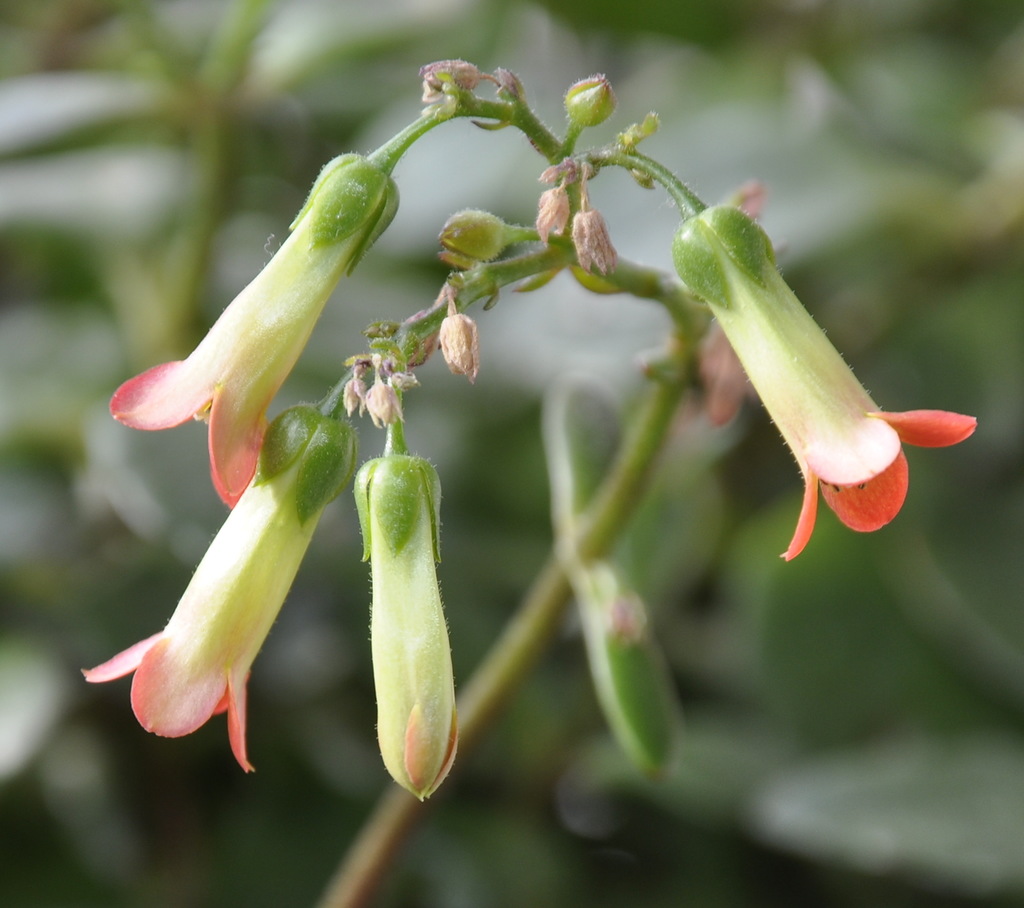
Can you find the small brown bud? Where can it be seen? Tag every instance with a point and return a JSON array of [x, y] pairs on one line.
[[383, 405], [436, 75], [552, 212], [460, 344], [354, 396], [594, 249]]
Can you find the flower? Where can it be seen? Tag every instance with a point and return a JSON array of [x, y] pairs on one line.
[[398, 497], [843, 442], [231, 377], [198, 665]]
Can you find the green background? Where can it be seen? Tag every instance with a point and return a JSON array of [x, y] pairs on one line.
[[855, 719]]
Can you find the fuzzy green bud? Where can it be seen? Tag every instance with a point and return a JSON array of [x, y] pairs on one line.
[[397, 498], [352, 199], [322, 448], [472, 236], [590, 101]]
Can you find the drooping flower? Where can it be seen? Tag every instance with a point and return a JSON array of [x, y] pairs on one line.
[[843, 442], [398, 497], [198, 665], [231, 377]]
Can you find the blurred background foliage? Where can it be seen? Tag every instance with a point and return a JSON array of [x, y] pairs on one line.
[[855, 719]]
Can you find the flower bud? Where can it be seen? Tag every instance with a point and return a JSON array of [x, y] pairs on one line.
[[552, 212], [460, 345], [448, 72], [398, 497], [382, 404], [630, 676], [590, 101], [472, 236], [594, 249]]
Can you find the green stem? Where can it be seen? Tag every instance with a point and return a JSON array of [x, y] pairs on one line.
[[521, 643], [515, 113], [688, 202], [389, 154]]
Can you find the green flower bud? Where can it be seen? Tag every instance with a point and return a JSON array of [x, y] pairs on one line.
[[590, 102], [397, 497], [324, 448], [352, 199], [630, 676]]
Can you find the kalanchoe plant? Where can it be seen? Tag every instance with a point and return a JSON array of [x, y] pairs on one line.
[[841, 439], [198, 665], [230, 378]]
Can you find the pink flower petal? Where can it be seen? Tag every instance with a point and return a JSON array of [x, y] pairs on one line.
[[236, 720], [168, 698], [808, 514], [124, 663], [930, 428], [872, 504], [234, 443], [164, 396]]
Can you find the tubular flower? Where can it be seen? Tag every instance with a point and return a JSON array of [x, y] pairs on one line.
[[398, 497], [198, 665], [231, 377], [842, 441]]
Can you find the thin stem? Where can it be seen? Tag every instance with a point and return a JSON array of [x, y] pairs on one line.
[[523, 640], [688, 202]]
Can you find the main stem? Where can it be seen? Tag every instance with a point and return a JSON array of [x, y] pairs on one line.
[[523, 639]]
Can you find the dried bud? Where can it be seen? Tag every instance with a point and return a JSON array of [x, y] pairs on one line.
[[590, 101], [552, 212], [354, 395], [383, 405], [594, 249], [460, 345], [451, 72]]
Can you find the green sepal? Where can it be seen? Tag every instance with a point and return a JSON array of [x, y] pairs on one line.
[[401, 490], [351, 195], [285, 439], [323, 448], [707, 245], [326, 467]]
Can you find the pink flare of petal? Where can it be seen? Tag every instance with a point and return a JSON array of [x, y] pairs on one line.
[[930, 428], [870, 505], [161, 397], [124, 663], [167, 700], [234, 450], [808, 515]]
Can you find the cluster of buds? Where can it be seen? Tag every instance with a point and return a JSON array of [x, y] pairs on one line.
[[382, 401], [590, 236]]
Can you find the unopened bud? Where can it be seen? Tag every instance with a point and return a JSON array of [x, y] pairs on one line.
[[460, 344], [382, 404], [473, 236], [448, 72], [552, 212], [398, 498], [594, 249], [590, 101], [354, 396]]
